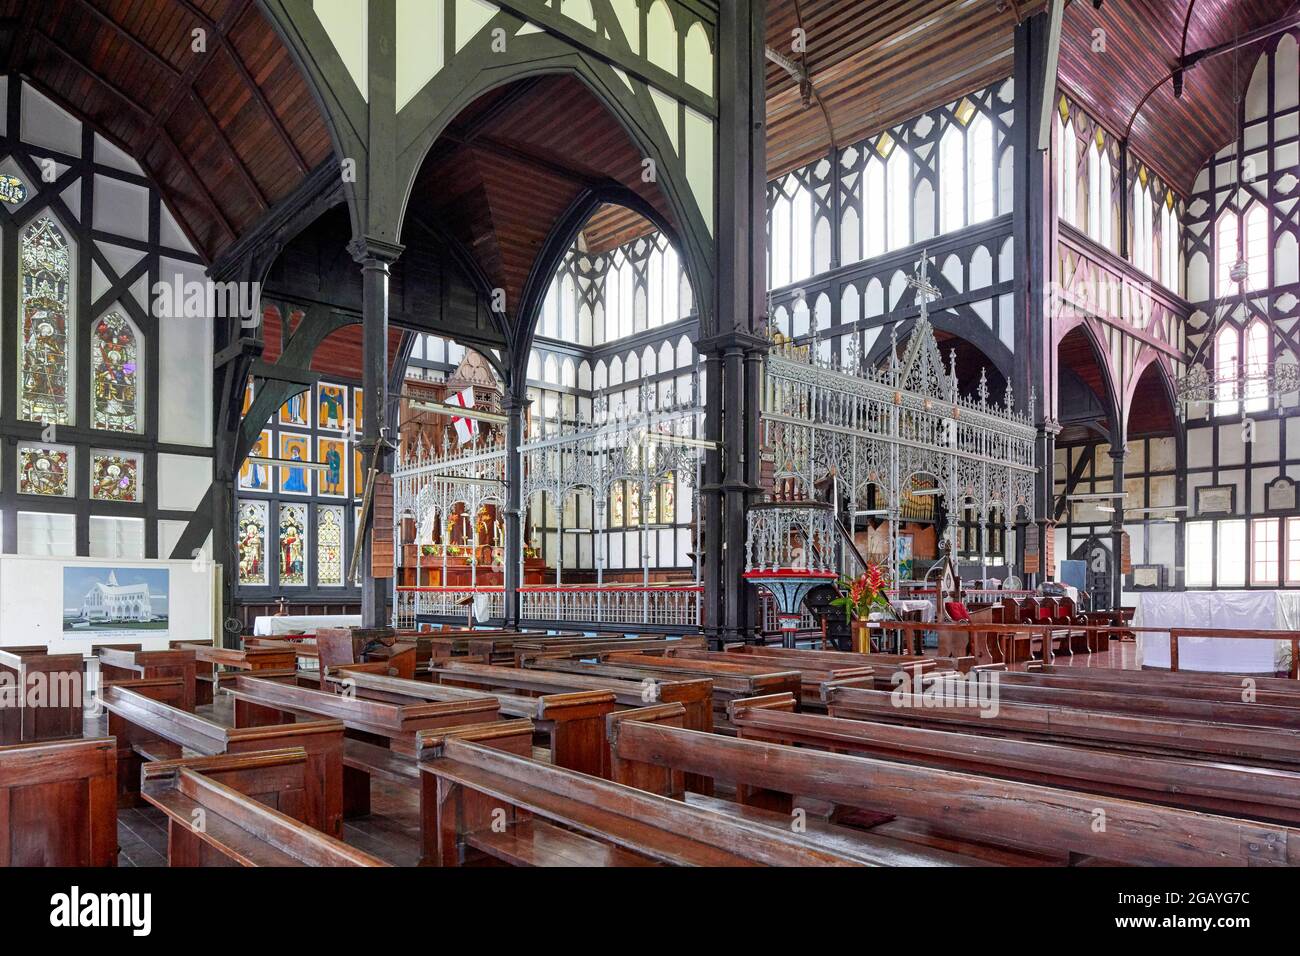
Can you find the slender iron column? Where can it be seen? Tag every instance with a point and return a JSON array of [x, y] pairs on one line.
[[1117, 527], [514, 406], [375, 257]]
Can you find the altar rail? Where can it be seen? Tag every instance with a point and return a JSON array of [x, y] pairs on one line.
[[655, 605]]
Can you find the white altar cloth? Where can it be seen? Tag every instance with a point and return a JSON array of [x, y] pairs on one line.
[[1213, 609], [925, 607], [271, 626]]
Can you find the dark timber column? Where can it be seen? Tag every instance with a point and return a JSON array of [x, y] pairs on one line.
[[1117, 526], [514, 405], [1034, 225], [739, 312], [375, 256], [712, 499]]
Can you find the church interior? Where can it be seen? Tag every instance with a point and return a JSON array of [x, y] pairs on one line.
[[794, 433]]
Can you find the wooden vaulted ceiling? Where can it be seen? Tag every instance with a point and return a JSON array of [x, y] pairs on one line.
[[874, 63], [1144, 40], [225, 132], [511, 165]]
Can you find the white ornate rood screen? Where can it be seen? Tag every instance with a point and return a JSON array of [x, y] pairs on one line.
[[845, 440]]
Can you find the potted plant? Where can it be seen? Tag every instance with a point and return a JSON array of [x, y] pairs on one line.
[[865, 599]]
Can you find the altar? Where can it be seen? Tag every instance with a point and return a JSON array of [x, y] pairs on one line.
[[289, 624], [1260, 610]]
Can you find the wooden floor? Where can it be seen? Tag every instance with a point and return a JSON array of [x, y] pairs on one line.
[[1121, 656], [391, 831]]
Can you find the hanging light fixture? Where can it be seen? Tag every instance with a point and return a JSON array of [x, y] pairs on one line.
[[1205, 380]]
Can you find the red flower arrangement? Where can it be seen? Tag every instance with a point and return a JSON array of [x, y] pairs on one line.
[[866, 593]]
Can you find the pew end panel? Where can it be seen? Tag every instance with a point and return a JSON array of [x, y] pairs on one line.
[[663, 781], [210, 821], [42, 696], [58, 803], [439, 848]]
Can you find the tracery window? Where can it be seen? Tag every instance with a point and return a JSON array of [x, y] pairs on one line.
[[252, 542], [329, 545], [980, 156], [900, 198], [1143, 237], [45, 353], [952, 179], [1066, 170], [1256, 364], [1257, 247], [874, 234], [1225, 253], [1169, 244], [291, 555], [1227, 348], [1099, 192], [115, 374]]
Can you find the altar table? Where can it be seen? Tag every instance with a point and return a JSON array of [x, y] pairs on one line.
[[272, 626]]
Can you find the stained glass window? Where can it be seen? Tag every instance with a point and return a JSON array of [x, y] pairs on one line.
[[291, 552], [329, 545], [114, 368], [46, 297], [633, 504], [45, 470], [668, 501], [616, 506], [114, 476], [252, 542]]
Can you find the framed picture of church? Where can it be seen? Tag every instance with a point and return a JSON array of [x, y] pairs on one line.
[[116, 601]]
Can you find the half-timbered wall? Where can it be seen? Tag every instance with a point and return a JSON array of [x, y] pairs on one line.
[[295, 526], [1243, 453], [105, 346], [613, 324], [844, 233]]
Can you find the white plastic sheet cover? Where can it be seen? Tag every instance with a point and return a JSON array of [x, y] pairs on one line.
[[1212, 609]]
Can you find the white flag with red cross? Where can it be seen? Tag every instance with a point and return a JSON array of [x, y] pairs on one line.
[[466, 428]]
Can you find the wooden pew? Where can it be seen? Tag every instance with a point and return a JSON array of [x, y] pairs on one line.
[[1022, 688], [1010, 813], [695, 694], [1228, 688], [1202, 740], [729, 680], [148, 729], [58, 803], [592, 647], [40, 694], [573, 723], [119, 663], [381, 735], [1256, 793], [555, 817], [238, 826], [246, 659], [814, 667]]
